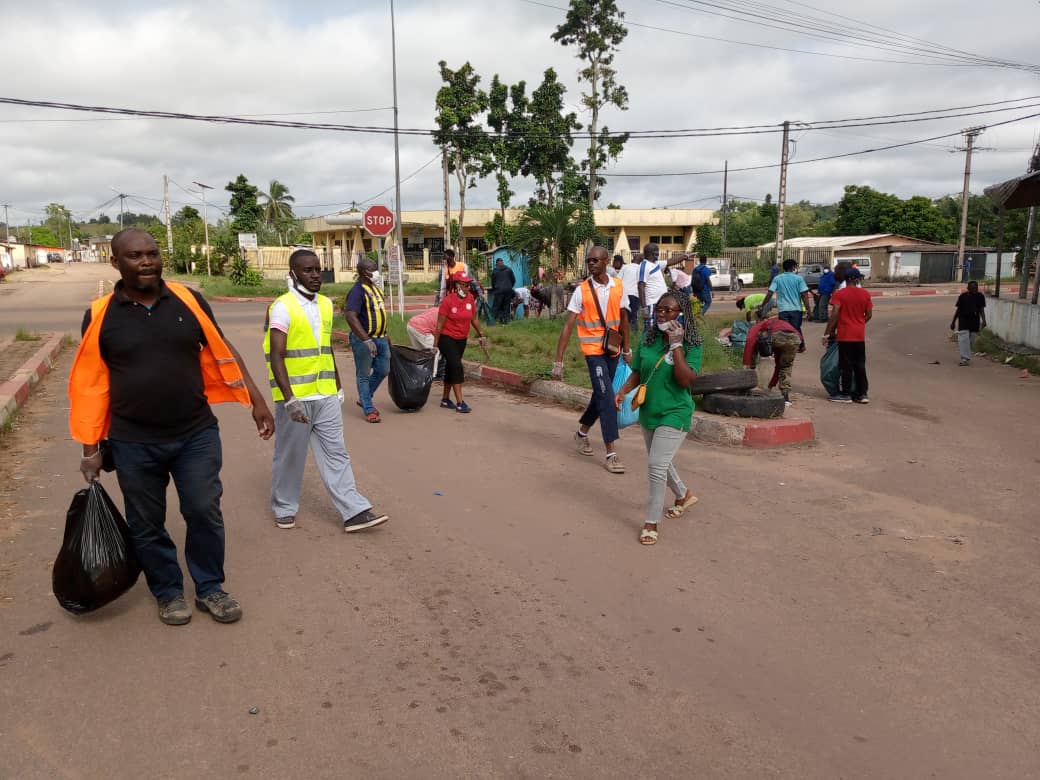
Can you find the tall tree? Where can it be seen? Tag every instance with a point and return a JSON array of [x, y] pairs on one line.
[[547, 143], [709, 241], [245, 212], [460, 104], [860, 210], [185, 215], [59, 220], [277, 209], [918, 217], [596, 28], [503, 156]]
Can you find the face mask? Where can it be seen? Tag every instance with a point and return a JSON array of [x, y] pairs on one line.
[[460, 292], [664, 327]]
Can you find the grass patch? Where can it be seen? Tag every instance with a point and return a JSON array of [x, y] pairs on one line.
[[996, 347], [8, 424], [25, 335], [221, 286], [528, 347]]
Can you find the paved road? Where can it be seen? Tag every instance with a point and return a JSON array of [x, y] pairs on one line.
[[861, 608]]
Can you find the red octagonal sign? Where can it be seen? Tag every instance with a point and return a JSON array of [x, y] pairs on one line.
[[379, 220]]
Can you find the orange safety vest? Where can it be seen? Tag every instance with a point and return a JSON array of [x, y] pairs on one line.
[[90, 413], [590, 327]]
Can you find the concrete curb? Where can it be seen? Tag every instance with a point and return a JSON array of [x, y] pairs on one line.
[[15, 391], [714, 429]]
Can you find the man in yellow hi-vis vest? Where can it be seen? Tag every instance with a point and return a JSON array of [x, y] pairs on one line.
[[308, 394]]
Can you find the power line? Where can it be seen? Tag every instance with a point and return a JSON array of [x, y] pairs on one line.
[[819, 159], [890, 119], [141, 119], [751, 44]]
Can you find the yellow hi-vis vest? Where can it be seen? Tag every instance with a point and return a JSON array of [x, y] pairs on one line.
[[311, 367]]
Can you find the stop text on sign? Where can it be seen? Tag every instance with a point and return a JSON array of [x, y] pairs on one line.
[[379, 220]]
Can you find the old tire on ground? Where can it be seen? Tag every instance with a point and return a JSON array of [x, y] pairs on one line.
[[724, 382], [741, 405]]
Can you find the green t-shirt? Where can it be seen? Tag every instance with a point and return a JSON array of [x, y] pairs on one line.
[[667, 404]]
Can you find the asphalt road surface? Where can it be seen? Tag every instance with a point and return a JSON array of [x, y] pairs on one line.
[[865, 607]]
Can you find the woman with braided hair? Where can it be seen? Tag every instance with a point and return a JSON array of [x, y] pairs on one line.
[[666, 362]]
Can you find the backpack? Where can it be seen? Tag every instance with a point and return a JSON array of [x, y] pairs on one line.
[[764, 341]]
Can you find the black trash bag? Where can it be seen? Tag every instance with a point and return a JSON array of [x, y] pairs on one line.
[[411, 376], [830, 372], [96, 563]]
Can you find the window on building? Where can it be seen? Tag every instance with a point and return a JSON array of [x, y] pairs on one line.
[[665, 240], [610, 243], [677, 240], [655, 239], [633, 243], [476, 243]]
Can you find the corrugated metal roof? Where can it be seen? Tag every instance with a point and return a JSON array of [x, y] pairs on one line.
[[828, 241]]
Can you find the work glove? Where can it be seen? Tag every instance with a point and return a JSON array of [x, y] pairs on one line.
[[294, 406], [373, 350], [557, 371], [675, 333], [90, 466]]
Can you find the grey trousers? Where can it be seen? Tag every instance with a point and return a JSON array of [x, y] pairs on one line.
[[661, 445], [324, 433], [966, 342]]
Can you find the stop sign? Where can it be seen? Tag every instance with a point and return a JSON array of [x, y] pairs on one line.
[[379, 220]]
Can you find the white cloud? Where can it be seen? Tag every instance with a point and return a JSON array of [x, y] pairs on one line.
[[257, 57]]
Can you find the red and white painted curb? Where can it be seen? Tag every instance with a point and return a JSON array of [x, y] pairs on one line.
[[15, 390]]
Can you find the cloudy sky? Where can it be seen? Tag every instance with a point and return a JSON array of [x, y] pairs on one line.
[[257, 57]]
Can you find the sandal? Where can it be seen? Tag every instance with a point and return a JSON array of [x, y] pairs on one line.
[[373, 417], [647, 537], [680, 506]]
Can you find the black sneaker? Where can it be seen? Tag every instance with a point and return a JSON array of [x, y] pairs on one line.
[[363, 520], [221, 606]]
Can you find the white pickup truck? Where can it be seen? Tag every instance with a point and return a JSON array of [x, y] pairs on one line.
[[724, 278]]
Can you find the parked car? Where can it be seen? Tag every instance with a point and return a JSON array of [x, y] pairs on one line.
[[862, 263], [55, 257], [811, 273], [725, 279]]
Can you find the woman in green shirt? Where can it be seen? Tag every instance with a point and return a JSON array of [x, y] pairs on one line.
[[669, 358]]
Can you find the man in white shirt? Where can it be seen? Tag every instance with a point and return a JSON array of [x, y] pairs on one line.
[[651, 283], [629, 277]]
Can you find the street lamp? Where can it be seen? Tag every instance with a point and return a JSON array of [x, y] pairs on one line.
[[205, 221]]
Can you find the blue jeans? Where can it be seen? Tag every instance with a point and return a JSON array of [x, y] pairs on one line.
[[144, 471], [601, 406], [794, 319], [370, 371]]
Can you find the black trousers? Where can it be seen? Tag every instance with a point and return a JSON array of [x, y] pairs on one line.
[[852, 362], [452, 351], [502, 301]]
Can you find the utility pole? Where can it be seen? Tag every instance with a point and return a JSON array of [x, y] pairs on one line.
[[7, 224], [970, 134], [725, 199], [782, 199], [122, 197], [397, 170], [166, 210], [205, 222], [1023, 288], [447, 200]]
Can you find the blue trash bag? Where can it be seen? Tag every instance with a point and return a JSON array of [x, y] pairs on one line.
[[626, 415]]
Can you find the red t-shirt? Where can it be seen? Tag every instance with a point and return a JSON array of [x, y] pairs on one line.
[[460, 313], [855, 302]]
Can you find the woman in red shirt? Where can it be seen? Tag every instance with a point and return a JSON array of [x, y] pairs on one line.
[[458, 312]]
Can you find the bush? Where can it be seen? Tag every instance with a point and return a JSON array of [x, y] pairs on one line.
[[242, 275]]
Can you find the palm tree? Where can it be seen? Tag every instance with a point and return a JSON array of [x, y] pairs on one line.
[[277, 210], [557, 230]]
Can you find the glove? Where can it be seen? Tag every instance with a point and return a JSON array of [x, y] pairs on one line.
[[294, 406], [675, 333], [373, 350], [557, 371], [90, 466]]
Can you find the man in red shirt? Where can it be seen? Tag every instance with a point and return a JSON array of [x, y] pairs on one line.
[[851, 310]]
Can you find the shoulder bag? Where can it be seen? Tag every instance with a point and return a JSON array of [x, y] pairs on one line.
[[611, 336], [640, 397]]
